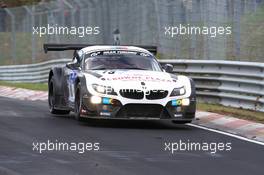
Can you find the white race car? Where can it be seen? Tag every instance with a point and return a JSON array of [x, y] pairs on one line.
[[119, 82]]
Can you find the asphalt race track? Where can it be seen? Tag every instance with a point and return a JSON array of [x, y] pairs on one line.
[[126, 147]]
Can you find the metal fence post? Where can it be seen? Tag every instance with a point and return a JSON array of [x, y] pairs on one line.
[[237, 13], [158, 22], [13, 34], [33, 42]]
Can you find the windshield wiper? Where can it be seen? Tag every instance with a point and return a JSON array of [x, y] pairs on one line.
[[102, 68], [138, 68]]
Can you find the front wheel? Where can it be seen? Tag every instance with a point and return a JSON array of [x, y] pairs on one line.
[[78, 104]]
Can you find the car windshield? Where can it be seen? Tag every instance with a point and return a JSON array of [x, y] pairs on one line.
[[122, 61]]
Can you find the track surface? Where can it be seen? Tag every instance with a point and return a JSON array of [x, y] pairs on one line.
[[126, 147]]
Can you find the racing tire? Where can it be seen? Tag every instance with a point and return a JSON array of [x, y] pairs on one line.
[[181, 122], [51, 100], [78, 104]]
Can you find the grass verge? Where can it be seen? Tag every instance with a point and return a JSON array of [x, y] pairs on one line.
[[234, 112], [32, 86]]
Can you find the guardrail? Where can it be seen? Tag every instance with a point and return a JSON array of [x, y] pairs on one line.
[[230, 83], [33, 73]]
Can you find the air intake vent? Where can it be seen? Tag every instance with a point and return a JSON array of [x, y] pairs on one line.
[[131, 93], [156, 94]]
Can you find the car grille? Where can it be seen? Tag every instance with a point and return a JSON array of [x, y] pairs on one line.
[[141, 110], [131, 93], [156, 94], [137, 94]]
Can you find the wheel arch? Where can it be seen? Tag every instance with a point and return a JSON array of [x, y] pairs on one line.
[[50, 75], [82, 81], [193, 89]]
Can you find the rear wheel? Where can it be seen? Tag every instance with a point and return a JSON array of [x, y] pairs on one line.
[[51, 99]]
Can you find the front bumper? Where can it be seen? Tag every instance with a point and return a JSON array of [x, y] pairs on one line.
[[138, 111]]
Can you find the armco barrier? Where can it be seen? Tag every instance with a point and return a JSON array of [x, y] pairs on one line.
[[230, 83], [34, 73]]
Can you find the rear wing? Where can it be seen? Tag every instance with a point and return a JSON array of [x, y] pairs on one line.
[[62, 47]]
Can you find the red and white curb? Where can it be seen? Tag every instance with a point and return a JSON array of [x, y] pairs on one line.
[[23, 94], [238, 127]]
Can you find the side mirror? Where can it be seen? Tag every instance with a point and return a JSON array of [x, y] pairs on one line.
[[72, 65], [168, 68], [76, 55]]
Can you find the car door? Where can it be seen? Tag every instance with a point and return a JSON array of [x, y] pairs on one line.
[[70, 76]]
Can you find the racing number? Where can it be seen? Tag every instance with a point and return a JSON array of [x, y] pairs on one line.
[[71, 82]]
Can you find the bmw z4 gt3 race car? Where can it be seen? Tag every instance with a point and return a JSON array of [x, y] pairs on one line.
[[119, 82]]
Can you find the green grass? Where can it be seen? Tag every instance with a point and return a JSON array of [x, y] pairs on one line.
[[234, 112], [32, 86], [16, 3]]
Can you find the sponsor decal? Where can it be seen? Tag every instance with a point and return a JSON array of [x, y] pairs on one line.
[[176, 102], [118, 52], [72, 78], [105, 113], [138, 77]]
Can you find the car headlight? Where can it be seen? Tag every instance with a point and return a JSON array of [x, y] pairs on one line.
[[96, 100], [99, 88], [178, 91], [104, 89]]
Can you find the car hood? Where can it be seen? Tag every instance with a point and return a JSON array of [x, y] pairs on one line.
[[119, 79], [135, 75]]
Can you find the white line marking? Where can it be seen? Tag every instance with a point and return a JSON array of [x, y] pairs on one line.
[[228, 134]]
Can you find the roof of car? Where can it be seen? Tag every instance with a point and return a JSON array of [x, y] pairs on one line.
[[102, 48]]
